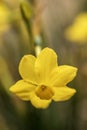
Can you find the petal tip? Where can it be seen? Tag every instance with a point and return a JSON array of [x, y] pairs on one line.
[[72, 93], [11, 89], [49, 50], [76, 69]]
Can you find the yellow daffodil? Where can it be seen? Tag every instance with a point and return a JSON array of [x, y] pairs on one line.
[[43, 80], [77, 32], [4, 17]]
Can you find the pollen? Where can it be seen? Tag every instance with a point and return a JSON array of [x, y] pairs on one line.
[[44, 92]]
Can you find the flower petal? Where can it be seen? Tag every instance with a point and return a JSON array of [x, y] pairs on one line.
[[22, 89], [45, 63], [63, 93], [61, 75], [37, 102], [26, 68]]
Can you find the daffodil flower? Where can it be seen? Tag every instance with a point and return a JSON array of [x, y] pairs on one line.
[[77, 32], [43, 80], [4, 17]]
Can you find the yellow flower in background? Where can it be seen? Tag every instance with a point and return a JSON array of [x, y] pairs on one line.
[[43, 80], [77, 32], [4, 17]]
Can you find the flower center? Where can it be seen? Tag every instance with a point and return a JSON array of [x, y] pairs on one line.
[[44, 92]]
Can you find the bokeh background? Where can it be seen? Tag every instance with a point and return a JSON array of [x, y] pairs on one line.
[[24, 28]]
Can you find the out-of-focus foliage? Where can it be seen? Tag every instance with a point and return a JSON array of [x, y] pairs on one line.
[[48, 23]]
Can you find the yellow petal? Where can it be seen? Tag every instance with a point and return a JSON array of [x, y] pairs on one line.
[[22, 89], [37, 102], [26, 68], [45, 62], [62, 75], [63, 93]]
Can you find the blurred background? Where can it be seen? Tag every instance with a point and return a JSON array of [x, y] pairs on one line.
[[26, 27]]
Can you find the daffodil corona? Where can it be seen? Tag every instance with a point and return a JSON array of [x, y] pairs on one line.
[[43, 80]]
